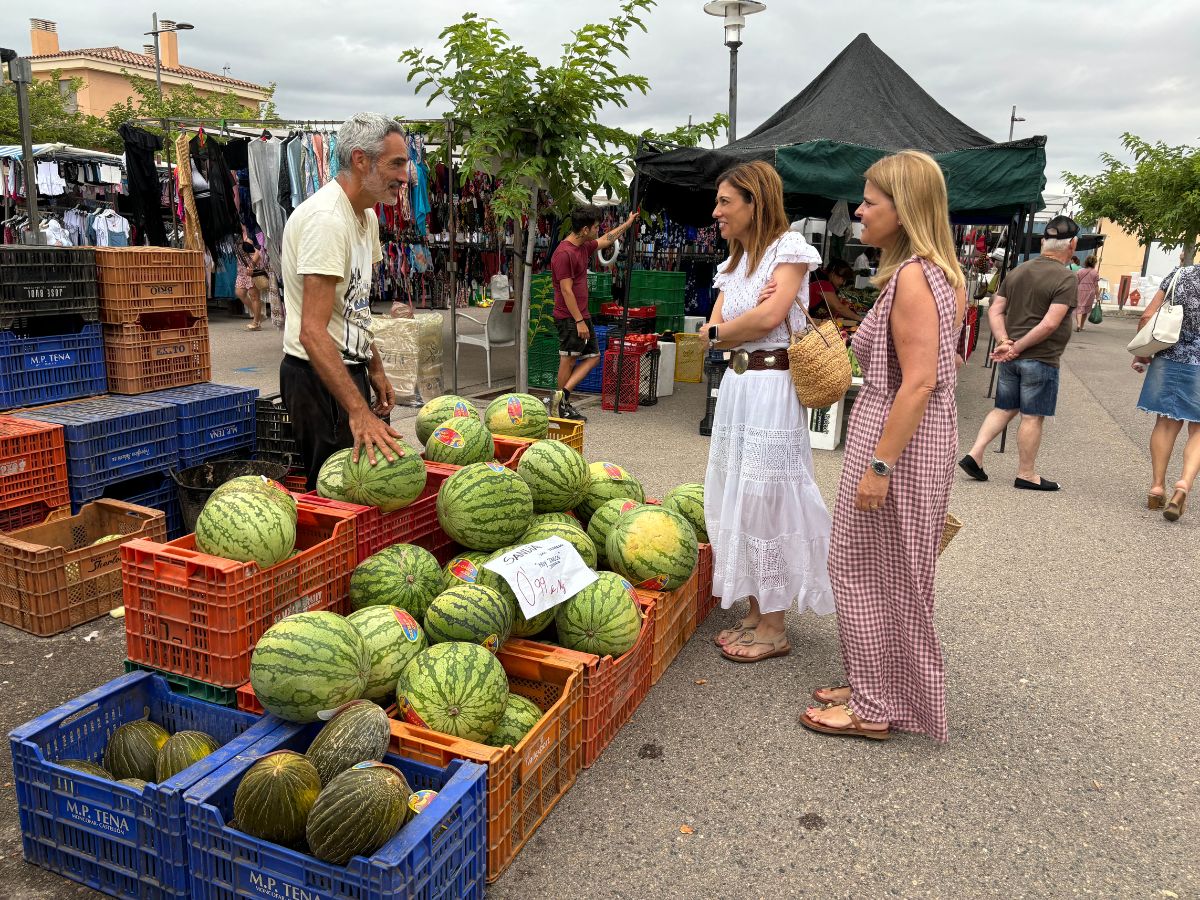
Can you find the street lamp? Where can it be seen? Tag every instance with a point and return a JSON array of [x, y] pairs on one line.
[[156, 31], [734, 13], [1012, 120]]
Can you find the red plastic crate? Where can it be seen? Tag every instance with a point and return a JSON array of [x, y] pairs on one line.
[[631, 376], [200, 616], [508, 453], [635, 312], [247, 701], [33, 464], [35, 513], [705, 601]]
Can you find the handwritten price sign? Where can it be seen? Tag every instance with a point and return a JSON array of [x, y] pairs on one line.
[[543, 574]]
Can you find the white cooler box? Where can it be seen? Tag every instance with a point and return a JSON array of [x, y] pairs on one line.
[[666, 368]]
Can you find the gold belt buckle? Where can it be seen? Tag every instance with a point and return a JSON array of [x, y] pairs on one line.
[[740, 361]]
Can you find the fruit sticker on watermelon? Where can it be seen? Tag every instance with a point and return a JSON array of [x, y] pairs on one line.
[[462, 410], [449, 437], [464, 570], [613, 471], [408, 625], [407, 713], [516, 412]]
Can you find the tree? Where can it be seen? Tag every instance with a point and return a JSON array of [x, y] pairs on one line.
[[1158, 199], [181, 102], [52, 120], [535, 126]]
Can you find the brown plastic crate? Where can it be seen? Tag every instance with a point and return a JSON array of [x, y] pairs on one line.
[[30, 514], [54, 577], [142, 357], [134, 280], [526, 781], [705, 601], [154, 257], [33, 464], [674, 623]]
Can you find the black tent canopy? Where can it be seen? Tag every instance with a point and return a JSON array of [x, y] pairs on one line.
[[860, 108]]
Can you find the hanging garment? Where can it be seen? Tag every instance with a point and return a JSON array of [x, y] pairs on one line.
[[283, 190], [334, 167], [192, 238], [49, 181], [295, 153], [140, 147], [218, 214], [264, 193]]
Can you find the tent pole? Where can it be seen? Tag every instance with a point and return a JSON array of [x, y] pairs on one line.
[[733, 53], [634, 198], [453, 233]]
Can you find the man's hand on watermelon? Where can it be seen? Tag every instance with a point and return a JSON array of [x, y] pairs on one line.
[[373, 436]]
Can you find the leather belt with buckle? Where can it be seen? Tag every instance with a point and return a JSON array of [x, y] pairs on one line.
[[742, 361]]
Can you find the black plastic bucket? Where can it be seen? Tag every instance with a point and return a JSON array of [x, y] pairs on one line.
[[196, 484]]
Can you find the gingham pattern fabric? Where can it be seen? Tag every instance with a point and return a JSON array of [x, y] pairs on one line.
[[882, 563]]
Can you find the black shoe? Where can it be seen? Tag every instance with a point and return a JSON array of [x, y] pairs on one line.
[[972, 468], [1042, 484], [567, 411]]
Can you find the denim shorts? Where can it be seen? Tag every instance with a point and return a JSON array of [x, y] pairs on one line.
[[1171, 389], [1029, 385]]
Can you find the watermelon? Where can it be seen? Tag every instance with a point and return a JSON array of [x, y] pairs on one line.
[[438, 410], [520, 715], [688, 501], [393, 638], [557, 476], [456, 688], [274, 797], [246, 526], [133, 782], [358, 732], [132, 751], [358, 812], [82, 765], [469, 612], [387, 485], [260, 484], [182, 749], [484, 506], [565, 517], [653, 547], [401, 575], [307, 663], [602, 523], [460, 442], [465, 568], [607, 481], [519, 415], [331, 480], [572, 534], [603, 618]]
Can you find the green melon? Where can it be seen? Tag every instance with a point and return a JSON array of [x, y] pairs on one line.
[[402, 575], [456, 688], [134, 782], [460, 442], [358, 732], [557, 476], [465, 568], [602, 522], [653, 547], [438, 410], [132, 751], [182, 749], [358, 812], [246, 526], [307, 663], [520, 716], [393, 638], [469, 612], [519, 415], [603, 618], [82, 765], [572, 534], [387, 485], [484, 506], [261, 484], [331, 481], [688, 501], [274, 797], [607, 481]]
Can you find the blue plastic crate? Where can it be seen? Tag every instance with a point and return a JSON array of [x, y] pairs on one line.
[[591, 384], [156, 491], [113, 837], [39, 368], [212, 420], [440, 853]]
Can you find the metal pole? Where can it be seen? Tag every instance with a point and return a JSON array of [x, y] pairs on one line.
[[157, 59], [634, 199], [452, 263], [21, 74], [733, 52], [1012, 120]]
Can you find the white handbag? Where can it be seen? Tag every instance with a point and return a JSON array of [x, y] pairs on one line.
[[1162, 331]]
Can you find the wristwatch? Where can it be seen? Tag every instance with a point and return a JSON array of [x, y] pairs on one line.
[[880, 468], [712, 332]]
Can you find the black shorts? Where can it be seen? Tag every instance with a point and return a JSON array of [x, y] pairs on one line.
[[571, 344], [320, 425]]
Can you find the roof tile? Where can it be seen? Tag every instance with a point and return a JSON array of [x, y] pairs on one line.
[[129, 58]]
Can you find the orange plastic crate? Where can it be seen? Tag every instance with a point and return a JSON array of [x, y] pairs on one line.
[[54, 576], [705, 601], [164, 350], [613, 689], [569, 431], [33, 464], [135, 280], [526, 781], [200, 616], [247, 701], [674, 623], [31, 514]]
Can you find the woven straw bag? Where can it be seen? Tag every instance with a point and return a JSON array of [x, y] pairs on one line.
[[819, 363], [949, 530]]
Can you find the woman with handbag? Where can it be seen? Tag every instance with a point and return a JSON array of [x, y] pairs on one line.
[[765, 515], [251, 281], [1172, 390], [1088, 284], [899, 464]]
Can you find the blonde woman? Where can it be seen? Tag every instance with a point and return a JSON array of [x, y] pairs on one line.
[[899, 464], [768, 523]]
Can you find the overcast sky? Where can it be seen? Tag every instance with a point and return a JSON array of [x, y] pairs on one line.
[[1079, 72]]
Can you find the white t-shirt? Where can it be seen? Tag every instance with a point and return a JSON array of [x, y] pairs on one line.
[[325, 237]]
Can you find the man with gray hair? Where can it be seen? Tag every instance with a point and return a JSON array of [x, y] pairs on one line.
[[1030, 322], [330, 247]]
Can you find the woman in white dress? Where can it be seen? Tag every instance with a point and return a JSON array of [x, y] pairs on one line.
[[768, 523]]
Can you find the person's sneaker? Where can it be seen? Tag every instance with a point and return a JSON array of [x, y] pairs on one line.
[[972, 468], [567, 411]]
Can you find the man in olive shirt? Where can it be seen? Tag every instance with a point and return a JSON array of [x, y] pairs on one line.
[[1030, 322]]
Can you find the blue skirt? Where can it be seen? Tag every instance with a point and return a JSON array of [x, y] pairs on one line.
[[1171, 389]]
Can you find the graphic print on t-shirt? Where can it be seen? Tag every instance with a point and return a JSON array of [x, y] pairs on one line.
[[358, 313]]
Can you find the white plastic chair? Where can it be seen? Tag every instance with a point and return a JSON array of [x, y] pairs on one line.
[[499, 330]]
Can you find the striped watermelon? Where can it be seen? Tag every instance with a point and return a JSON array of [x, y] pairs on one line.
[[557, 476], [274, 797], [465, 568], [653, 547], [602, 523], [387, 485], [307, 663], [603, 618], [182, 749], [357, 732], [607, 481], [572, 534], [484, 506], [519, 415], [331, 482], [438, 410], [460, 442], [456, 688], [132, 751], [469, 612], [520, 716], [688, 501], [247, 527], [358, 812], [400, 575], [261, 483], [393, 638], [564, 517]]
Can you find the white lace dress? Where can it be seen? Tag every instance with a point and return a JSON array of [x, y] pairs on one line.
[[765, 515]]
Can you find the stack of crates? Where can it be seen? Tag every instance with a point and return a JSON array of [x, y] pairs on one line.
[[594, 381], [154, 308], [599, 290], [275, 437], [51, 347], [636, 383], [543, 337], [33, 472], [663, 290], [212, 421]]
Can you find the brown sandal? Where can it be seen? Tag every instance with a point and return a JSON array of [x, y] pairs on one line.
[[738, 630], [816, 695], [1155, 501], [854, 729], [1174, 509], [778, 647]]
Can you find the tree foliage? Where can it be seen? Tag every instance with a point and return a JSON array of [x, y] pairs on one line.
[[181, 102]]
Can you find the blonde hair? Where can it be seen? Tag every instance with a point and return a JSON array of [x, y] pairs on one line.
[[915, 184], [760, 185]]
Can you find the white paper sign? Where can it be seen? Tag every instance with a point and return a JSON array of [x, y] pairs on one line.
[[543, 574]]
